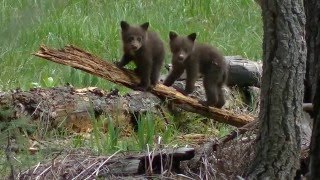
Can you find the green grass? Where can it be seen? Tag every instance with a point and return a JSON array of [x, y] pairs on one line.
[[234, 26]]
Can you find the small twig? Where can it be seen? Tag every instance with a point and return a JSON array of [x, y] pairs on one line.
[[38, 105], [35, 169], [84, 170], [160, 152], [171, 159], [104, 162], [12, 173], [150, 159], [54, 158], [184, 176], [162, 112], [235, 133], [53, 173], [39, 176]]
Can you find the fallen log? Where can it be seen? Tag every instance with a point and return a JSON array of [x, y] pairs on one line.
[[78, 165], [80, 59], [76, 109], [242, 72]]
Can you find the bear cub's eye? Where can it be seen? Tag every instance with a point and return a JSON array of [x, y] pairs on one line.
[[131, 38]]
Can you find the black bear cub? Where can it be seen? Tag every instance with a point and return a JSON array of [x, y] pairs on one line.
[[145, 49], [198, 59]]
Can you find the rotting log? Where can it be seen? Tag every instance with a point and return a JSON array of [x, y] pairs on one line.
[[75, 109], [82, 60]]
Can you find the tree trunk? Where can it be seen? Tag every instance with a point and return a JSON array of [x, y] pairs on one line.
[[315, 145], [312, 29], [284, 55], [313, 78]]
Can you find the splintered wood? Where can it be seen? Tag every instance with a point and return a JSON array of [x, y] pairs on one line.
[[80, 59]]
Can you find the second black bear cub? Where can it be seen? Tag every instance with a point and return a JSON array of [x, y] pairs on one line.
[[145, 49], [198, 59]]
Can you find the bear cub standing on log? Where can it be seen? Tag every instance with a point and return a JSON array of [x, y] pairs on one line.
[[145, 49], [198, 59]]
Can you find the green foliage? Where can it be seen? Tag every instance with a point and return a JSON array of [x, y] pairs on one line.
[[146, 131], [78, 141], [49, 82], [234, 26], [18, 129], [168, 134], [102, 141], [224, 129], [14, 136]]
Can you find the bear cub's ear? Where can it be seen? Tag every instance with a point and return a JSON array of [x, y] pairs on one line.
[[145, 26], [124, 25], [192, 36], [172, 35]]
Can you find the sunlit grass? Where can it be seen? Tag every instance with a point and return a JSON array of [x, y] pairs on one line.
[[232, 26]]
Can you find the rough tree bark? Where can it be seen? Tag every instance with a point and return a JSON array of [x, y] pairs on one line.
[[312, 8], [284, 55]]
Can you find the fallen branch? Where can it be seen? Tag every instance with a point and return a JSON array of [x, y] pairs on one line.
[[83, 165], [80, 59]]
